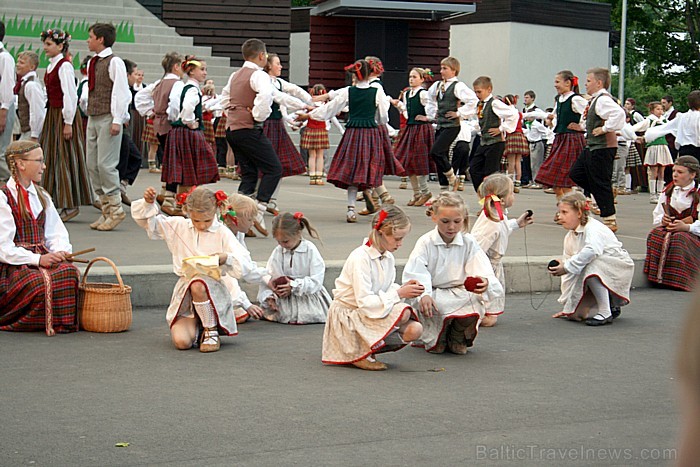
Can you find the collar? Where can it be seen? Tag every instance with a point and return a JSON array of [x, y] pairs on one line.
[[565, 96], [688, 187], [172, 76], [216, 225], [530, 107], [363, 84], [303, 247], [451, 80], [56, 59], [31, 74], [374, 253], [193, 82], [2, 46], [105, 53], [579, 230], [437, 239], [490, 96], [599, 92], [12, 185], [252, 65]]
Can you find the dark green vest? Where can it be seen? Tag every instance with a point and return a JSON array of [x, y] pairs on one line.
[[80, 93], [447, 103], [363, 106], [276, 114], [197, 109], [566, 115], [593, 120], [414, 108], [661, 140], [489, 119]]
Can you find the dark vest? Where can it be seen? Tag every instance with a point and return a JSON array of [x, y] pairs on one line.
[[197, 109], [23, 108], [363, 106], [593, 120], [54, 94], [241, 101], [489, 119], [161, 97], [276, 113], [447, 103], [566, 115], [414, 108]]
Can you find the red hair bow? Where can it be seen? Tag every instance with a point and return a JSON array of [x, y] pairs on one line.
[[574, 81], [382, 217], [182, 197], [587, 206], [356, 68], [220, 196], [299, 216]]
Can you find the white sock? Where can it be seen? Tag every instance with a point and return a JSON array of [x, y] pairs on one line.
[[352, 195], [205, 311], [601, 297], [652, 185], [628, 182], [660, 184]]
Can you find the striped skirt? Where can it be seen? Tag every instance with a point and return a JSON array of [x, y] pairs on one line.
[[29, 295], [633, 157], [209, 131], [516, 144], [413, 149], [672, 258], [555, 169], [188, 159], [315, 138], [149, 134], [66, 176], [221, 124], [359, 160], [291, 160]]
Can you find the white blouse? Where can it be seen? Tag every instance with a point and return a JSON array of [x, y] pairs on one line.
[[55, 233], [493, 236], [342, 98], [36, 96], [681, 199], [193, 97], [304, 264], [586, 243], [66, 74]]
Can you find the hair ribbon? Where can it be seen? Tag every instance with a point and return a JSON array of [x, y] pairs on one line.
[[182, 197], [496, 202], [299, 216], [356, 68], [574, 81]]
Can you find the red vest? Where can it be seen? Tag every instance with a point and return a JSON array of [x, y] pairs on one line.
[[53, 85], [316, 124]]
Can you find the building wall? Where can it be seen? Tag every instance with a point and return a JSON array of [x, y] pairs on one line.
[[299, 58]]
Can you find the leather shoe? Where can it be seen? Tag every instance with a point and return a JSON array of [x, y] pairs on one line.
[[365, 364], [616, 312], [599, 322]]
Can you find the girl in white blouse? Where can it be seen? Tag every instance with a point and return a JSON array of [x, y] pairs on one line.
[[295, 293], [368, 315], [492, 229], [596, 272], [446, 261]]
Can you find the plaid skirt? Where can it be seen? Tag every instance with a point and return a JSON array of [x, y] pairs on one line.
[[209, 131], [28, 294], [315, 138], [66, 176], [149, 135], [391, 165], [221, 124], [188, 159], [672, 258], [555, 169], [291, 160], [359, 160], [516, 143], [413, 149], [633, 158]]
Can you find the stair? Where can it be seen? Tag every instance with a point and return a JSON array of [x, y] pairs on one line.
[[151, 37]]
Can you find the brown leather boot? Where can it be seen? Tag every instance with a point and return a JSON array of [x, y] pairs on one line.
[[116, 213], [370, 364]]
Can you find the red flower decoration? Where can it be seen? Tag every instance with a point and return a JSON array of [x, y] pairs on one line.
[[221, 195]]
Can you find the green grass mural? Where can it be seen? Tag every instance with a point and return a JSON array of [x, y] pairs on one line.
[[77, 29], [43, 59]]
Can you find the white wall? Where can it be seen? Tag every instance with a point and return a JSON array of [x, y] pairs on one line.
[[299, 57], [521, 56]]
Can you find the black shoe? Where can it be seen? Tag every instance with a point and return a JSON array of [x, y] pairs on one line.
[[616, 312], [599, 322]]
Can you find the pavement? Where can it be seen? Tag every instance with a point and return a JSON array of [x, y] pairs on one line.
[[533, 391], [146, 264]]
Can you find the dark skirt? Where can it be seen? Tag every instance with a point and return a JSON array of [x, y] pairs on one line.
[[138, 125], [391, 165], [291, 160], [672, 258], [555, 169], [66, 175], [413, 149], [359, 160], [188, 159]]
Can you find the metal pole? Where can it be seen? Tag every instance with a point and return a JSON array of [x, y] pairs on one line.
[[623, 47]]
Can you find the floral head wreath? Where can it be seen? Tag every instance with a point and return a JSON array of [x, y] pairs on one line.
[[56, 35], [17, 152]]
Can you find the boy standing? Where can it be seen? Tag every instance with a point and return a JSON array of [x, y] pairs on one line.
[[31, 98], [592, 171], [495, 119], [108, 110], [7, 103], [536, 134]]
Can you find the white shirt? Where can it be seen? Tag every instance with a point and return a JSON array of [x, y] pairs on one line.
[[342, 98], [437, 265], [291, 89], [121, 95], [66, 75], [507, 113], [685, 127], [467, 129], [586, 243], [463, 92], [681, 199], [261, 84], [535, 131], [651, 121], [424, 99], [192, 98], [55, 233], [83, 97], [7, 78], [493, 236], [304, 265], [367, 282], [143, 100], [667, 114], [36, 96], [609, 110]]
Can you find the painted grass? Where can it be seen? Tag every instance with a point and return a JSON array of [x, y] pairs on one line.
[[43, 59], [78, 29]]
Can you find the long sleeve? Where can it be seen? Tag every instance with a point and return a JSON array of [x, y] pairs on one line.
[[641, 126], [295, 91], [37, 107], [508, 115], [7, 79], [174, 101], [143, 100], [262, 105], [376, 305], [336, 123], [148, 217], [469, 100], [290, 102], [70, 92], [431, 106], [579, 104], [121, 95], [658, 213], [592, 248], [189, 103], [274, 270], [417, 267], [313, 282], [332, 107], [662, 130], [9, 253], [611, 112]]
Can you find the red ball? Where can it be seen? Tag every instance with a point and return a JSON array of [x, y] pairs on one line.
[[471, 283], [282, 280]]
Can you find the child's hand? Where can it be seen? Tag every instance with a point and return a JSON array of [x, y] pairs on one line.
[[222, 258], [411, 289], [302, 117], [452, 115], [283, 290], [193, 125], [557, 270], [272, 303], [50, 259], [67, 131], [678, 226], [427, 305], [574, 126], [149, 195], [255, 311], [666, 220], [482, 286], [494, 132], [524, 220], [321, 98], [422, 118]]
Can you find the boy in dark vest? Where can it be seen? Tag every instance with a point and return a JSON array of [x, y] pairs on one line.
[[108, 110], [31, 98], [592, 171], [495, 117]]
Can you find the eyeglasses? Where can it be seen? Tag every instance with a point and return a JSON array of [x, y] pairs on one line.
[[41, 161]]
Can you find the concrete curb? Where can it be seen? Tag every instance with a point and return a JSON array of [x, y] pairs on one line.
[[152, 285]]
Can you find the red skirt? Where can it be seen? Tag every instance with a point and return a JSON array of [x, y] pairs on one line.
[[555, 169], [516, 144], [188, 159], [315, 138], [292, 162], [672, 258], [391, 165], [413, 149], [359, 160], [209, 131], [28, 294], [149, 135]]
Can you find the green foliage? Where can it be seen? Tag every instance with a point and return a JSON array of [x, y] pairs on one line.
[[296, 3], [645, 93], [77, 29], [43, 59]]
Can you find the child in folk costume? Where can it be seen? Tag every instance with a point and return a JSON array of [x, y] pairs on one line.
[[673, 246], [315, 140], [517, 146], [446, 261], [31, 97], [596, 272], [360, 161], [367, 315], [569, 140], [210, 103], [38, 287], [188, 159], [201, 298], [685, 127], [657, 156], [66, 176], [492, 229], [415, 141], [295, 293]]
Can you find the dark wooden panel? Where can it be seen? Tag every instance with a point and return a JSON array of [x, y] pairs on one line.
[[300, 20], [332, 47]]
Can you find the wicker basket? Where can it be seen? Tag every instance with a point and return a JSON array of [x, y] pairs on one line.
[[104, 307]]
